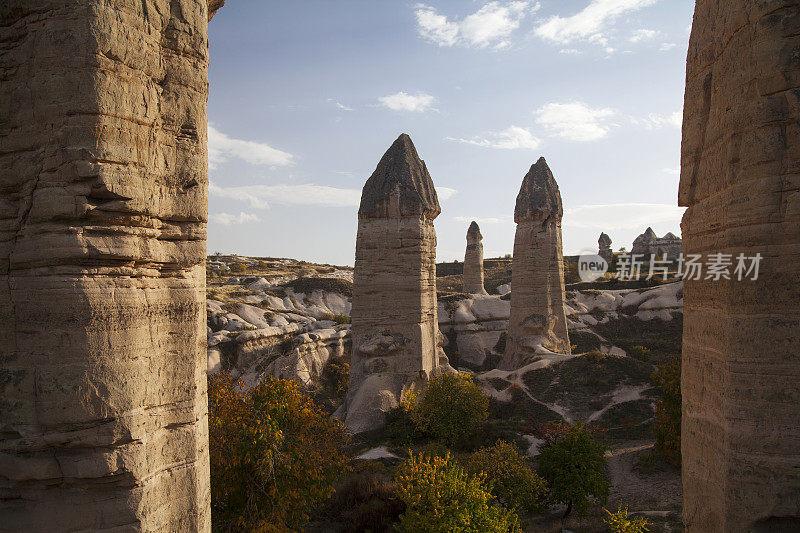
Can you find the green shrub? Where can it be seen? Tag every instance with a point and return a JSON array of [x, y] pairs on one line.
[[622, 522], [274, 454], [339, 319], [667, 426], [511, 477], [238, 268], [452, 409], [642, 353], [574, 465], [440, 496]]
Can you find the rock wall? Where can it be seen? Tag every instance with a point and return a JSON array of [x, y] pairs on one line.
[[538, 320], [473, 261], [103, 173], [740, 163], [394, 326]]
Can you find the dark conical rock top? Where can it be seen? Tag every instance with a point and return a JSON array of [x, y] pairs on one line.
[[648, 236], [474, 231], [400, 186], [538, 198], [604, 240]]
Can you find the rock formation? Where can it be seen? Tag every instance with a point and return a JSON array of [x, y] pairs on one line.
[[103, 172], [604, 248], [648, 243], [538, 321], [739, 179], [473, 261], [396, 339]]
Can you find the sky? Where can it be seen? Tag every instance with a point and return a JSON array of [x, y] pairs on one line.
[[307, 95]]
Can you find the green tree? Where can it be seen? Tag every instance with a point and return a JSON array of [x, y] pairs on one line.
[[452, 408], [512, 479], [667, 426], [274, 454], [573, 464], [441, 497], [622, 522]]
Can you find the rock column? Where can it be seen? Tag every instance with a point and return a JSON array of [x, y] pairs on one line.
[[472, 278], [604, 248], [394, 326], [103, 173], [740, 179], [538, 321]]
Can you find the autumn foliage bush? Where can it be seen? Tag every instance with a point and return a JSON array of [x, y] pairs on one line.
[[452, 409], [512, 479], [274, 454], [667, 426], [440, 495]]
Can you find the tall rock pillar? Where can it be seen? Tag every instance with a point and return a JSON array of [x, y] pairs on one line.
[[103, 207], [472, 278], [538, 320], [740, 179], [394, 327]]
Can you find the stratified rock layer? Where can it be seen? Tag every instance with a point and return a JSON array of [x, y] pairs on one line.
[[740, 181], [103, 180], [472, 278], [394, 326], [538, 320]]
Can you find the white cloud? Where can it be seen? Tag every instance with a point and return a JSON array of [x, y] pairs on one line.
[[402, 101], [513, 137], [656, 121], [666, 47], [260, 196], [575, 121], [621, 216], [221, 148], [445, 193], [643, 35], [589, 23], [226, 219], [570, 51], [339, 105], [484, 220], [674, 171], [491, 25]]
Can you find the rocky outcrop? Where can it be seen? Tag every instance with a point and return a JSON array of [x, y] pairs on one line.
[[103, 173], [739, 180], [396, 340], [649, 244], [538, 321], [473, 261], [604, 248]]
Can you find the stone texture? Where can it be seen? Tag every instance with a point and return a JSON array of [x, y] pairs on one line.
[[538, 320], [395, 334], [604, 248], [473, 261], [648, 243], [103, 206], [740, 179]]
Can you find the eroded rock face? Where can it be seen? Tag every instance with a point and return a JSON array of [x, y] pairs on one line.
[[473, 261], [739, 179], [648, 243], [538, 321], [103, 172], [396, 340]]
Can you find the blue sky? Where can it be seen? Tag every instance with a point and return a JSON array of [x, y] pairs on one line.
[[307, 95]]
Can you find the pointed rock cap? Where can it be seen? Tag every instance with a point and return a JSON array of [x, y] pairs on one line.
[[604, 240], [474, 232], [648, 236], [538, 198], [671, 236], [400, 186]]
